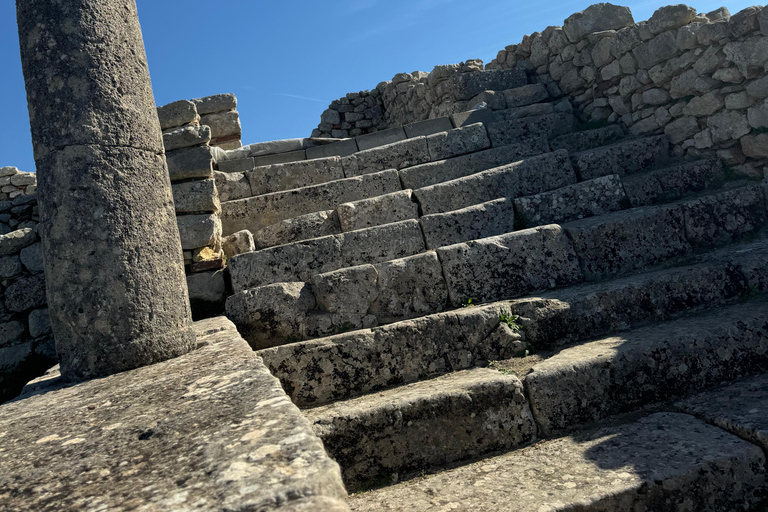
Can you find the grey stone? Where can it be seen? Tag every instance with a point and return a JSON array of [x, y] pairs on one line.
[[762, 19], [670, 183], [347, 293], [10, 266], [738, 101], [510, 265], [378, 210], [580, 200], [303, 227], [655, 97], [15, 241], [719, 14], [537, 109], [178, 113], [749, 56], [704, 105], [198, 230], [380, 138], [467, 139], [729, 75], [681, 129], [755, 146], [518, 130], [238, 243], [670, 18], [278, 146], [405, 153], [278, 177], [341, 148], [601, 51], [687, 36], [25, 293], [255, 213], [470, 85], [222, 124], [32, 258], [744, 21], [719, 219], [759, 88], [713, 32], [195, 162], [280, 158], [11, 333], [8, 171], [483, 115], [494, 99], [186, 137], [588, 139], [39, 323], [428, 127], [622, 158], [215, 103], [236, 165], [758, 116], [529, 176], [196, 196], [623, 242], [492, 218], [596, 18], [299, 261], [658, 49], [21, 179], [526, 95], [232, 185], [728, 125]]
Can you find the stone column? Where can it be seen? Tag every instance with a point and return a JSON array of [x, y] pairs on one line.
[[114, 271]]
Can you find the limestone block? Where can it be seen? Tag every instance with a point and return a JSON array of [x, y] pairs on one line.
[[280, 158], [215, 103], [758, 115], [580, 200], [341, 148], [494, 99], [681, 129], [658, 49], [622, 242], [196, 197], [507, 266], [379, 210], [222, 124], [409, 287], [537, 109], [728, 125], [255, 213], [347, 293], [749, 56], [456, 142], [25, 293], [445, 170], [518, 130], [23, 179], [11, 333], [755, 146], [274, 178], [687, 36], [236, 165], [232, 185], [526, 95], [178, 113], [670, 18], [32, 258], [186, 137], [405, 153], [15, 241], [492, 218], [428, 127], [483, 115], [745, 21], [277, 146], [380, 138], [195, 162], [622, 158], [8, 171], [705, 105], [198, 230], [719, 219], [10, 266], [668, 184], [470, 85], [303, 227], [39, 323], [238, 243], [655, 97], [588, 139], [596, 18]]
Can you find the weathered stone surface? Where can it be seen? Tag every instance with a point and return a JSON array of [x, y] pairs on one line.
[[721, 218], [274, 178], [588, 139], [682, 129], [303, 227], [478, 221], [511, 132], [472, 84], [658, 49], [11, 333], [215, 103], [10, 266], [705, 105], [280, 158], [728, 125], [255, 213], [213, 422], [232, 185], [526, 95], [744, 21], [755, 146], [198, 230], [459, 141], [32, 258], [236, 165], [196, 197], [670, 18], [673, 182], [271, 315], [591, 381], [299, 261], [409, 287], [39, 323], [537, 109], [445, 170], [379, 210], [596, 18], [621, 158], [15, 241], [428, 127], [346, 293], [426, 424], [405, 153], [25, 293], [222, 124], [662, 462], [507, 266], [758, 115], [483, 115], [238, 243], [341, 148], [749, 56], [186, 137], [380, 138], [530, 176], [622, 242], [178, 113], [188, 163]]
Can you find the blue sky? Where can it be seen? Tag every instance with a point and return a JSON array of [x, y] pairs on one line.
[[287, 60]]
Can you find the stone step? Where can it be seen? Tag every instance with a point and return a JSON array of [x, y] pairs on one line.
[[594, 380], [411, 350], [673, 182], [515, 131], [303, 227], [423, 425], [583, 140], [664, 461], [626, 157]]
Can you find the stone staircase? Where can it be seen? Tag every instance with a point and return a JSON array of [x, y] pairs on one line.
[[504, 314]]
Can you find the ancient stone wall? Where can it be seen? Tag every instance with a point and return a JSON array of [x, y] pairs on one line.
[[698, 78]]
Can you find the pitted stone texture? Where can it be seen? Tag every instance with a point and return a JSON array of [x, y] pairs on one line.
[[459, 141], [198, 230], [445, 170], [178, 113], [346, 293], [479, 221], [236, 165], [107, 102], [222, 124], [588, 139], [299, 261], [238, 243], [255, 213], [577, 201], [623, 158], [215, 103], [721, 218], [196, 197], [186, 137], [271, 315], [626, 241], [596, 18], [530, 176], [274, 178], [536, 109], [398, 155], [381, 138], [663, 462], [518, 130], [379, 210], [428, 127], [25, 293], [507, 266], [672, 183], [621, 373], [526, 95], [749, 55], [426, 424], [13, 242], [383, 357], [232, 185], [188, 163], [304, 227], [211, 429]]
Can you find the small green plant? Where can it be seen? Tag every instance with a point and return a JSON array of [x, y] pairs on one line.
[[468, 303], [513, 321]]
